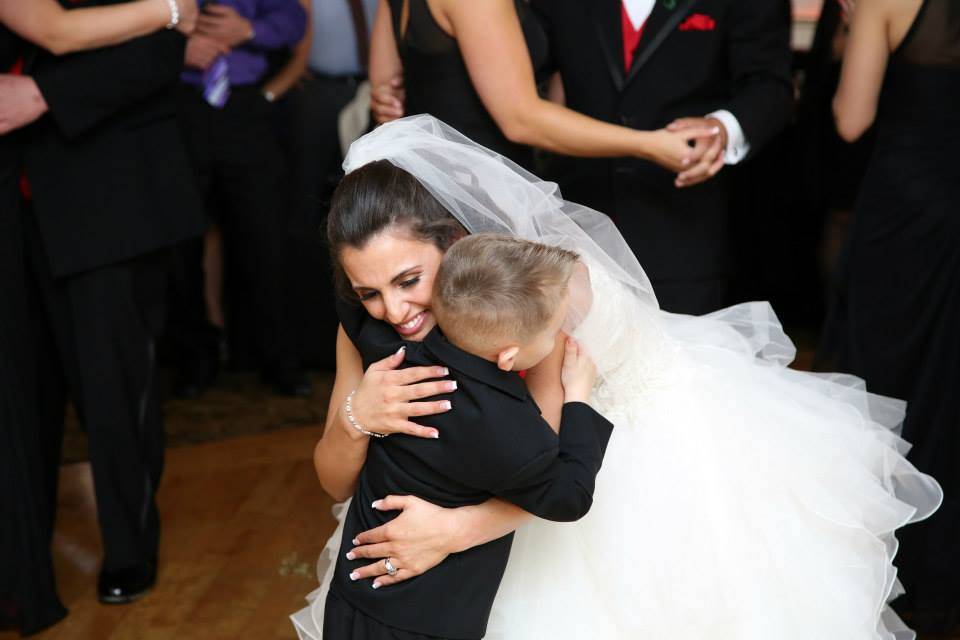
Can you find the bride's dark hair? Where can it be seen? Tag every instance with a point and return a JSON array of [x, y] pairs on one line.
[[375, 197]]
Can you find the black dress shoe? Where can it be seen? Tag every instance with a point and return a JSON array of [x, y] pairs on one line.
[[126, 585], [193, 379], [289, 381]]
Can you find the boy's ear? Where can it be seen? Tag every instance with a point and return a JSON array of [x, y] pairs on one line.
[[507, 357]]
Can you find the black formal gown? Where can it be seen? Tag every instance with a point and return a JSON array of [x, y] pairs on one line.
[[28, 597], [437, 81], [902, 331]]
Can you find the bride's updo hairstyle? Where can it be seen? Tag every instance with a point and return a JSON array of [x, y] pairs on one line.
[[379, 196]]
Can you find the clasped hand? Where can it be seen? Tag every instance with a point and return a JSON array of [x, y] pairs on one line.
[[219, 29]]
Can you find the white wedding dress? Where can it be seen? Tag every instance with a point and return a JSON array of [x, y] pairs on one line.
[[738, 500]]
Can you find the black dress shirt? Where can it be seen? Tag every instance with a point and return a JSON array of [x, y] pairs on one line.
[[493, 443]]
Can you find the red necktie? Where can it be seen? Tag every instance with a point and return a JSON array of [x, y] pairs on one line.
[[631, 36]]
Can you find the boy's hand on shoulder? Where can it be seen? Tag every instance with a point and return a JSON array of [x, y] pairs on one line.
[[578, 372]]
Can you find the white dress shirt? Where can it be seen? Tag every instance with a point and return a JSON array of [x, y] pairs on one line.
[[737, 144]]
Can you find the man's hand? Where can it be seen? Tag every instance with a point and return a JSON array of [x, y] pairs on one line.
[[20, 102], [708, 153], [203, 50], [386, 100], [224, 24]]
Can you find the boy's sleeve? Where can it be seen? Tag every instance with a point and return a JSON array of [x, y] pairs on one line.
[[558, 483]]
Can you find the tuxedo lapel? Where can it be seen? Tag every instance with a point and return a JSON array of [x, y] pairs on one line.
[[664, 20], [606, 24]]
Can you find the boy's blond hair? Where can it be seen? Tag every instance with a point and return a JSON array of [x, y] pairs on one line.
[[492, 288]]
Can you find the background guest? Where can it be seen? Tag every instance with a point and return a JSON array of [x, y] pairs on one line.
[[104, 120], [482, 82], [327, 67], [226, 121], [651, 64], [901, 69]]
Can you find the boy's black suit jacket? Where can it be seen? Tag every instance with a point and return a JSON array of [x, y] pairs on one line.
[[735, 55], [107, 165]]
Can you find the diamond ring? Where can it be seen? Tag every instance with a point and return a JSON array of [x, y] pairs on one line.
[[391, 570]]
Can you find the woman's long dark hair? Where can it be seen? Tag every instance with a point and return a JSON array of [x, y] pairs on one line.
[[375, 197]]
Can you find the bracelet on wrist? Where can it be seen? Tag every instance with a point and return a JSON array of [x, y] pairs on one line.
[[174, 14], [348, 409]]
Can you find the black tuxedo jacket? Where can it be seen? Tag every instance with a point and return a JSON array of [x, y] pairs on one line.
[[107, 165], [492, 443], [737, 57]]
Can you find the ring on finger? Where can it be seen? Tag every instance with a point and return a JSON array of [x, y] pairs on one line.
[[391, 570]]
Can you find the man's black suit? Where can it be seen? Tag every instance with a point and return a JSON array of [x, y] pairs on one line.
[[111, 190], [741, 64]]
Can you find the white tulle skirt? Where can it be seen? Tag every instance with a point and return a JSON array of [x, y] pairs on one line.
[[739, 499]]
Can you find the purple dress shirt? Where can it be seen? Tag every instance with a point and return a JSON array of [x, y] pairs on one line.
[[276, 24]]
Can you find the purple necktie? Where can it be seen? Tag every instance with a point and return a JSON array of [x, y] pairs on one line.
[[216, 83]]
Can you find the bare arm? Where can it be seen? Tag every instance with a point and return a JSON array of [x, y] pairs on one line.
[[864, 65], [296, 66], [386, 69], [492, 44], [385, 400], [340, 453], [46, 23]]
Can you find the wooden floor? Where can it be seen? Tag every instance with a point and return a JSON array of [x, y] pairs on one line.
[[244, 520]]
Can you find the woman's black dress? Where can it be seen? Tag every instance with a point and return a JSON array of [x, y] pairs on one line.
[[28, 596], [437, 81], [903, 288]]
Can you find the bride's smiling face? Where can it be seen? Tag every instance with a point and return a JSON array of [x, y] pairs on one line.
[[392, 275]]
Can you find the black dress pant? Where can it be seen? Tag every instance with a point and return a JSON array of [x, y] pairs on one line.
[[97, 339], [239, 170], [27, 584], [308, 122]]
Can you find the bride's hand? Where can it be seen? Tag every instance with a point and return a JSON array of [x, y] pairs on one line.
[[672, 150], [417, 540], [385, 400]]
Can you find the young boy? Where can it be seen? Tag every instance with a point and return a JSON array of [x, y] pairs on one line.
[[500, 303]]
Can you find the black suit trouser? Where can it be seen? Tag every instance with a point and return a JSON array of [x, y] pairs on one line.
[[97, 341], [682, 240], [239, 169]]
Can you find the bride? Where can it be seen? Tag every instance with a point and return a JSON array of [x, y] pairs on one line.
[[739, 499]]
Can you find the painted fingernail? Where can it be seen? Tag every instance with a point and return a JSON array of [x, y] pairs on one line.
[[446, 405], [376, 504], [351, 555], [715, 130], [435, 435], [354, 576], [444, 371], [400, 350], [376, 585], [356, 542], [452, 385]]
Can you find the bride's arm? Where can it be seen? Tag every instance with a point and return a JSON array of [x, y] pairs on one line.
[[492, 44], [385, 399], [339, 455], [46, 23], [423, 535]]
